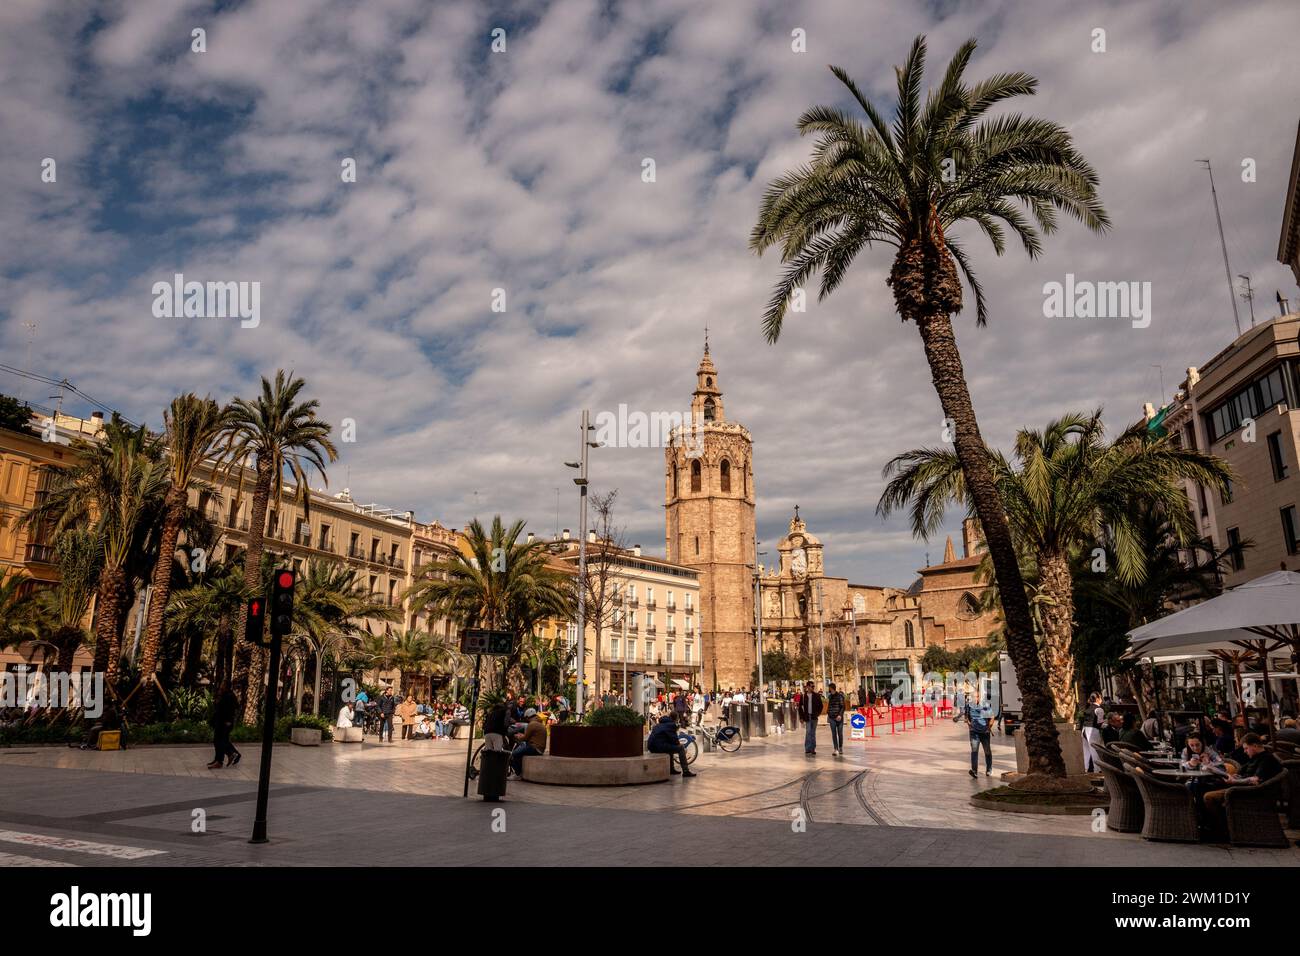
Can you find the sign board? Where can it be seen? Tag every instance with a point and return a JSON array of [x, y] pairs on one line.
[[857, 727], [478, 640]]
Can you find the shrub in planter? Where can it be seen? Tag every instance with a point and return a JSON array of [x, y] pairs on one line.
[[605, 732]]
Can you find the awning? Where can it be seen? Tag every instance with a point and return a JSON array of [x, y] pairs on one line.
[[678, 682], [1265, 611]]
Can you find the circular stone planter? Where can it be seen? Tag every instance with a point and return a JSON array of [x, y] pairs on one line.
[[576, 740]]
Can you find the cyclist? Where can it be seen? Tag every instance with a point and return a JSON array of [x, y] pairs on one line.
[[664, 740]]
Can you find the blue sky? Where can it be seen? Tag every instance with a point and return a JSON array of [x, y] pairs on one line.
[[522, 171]]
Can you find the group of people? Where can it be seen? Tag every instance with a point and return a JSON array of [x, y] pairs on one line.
[[519, 724], [419, 720]]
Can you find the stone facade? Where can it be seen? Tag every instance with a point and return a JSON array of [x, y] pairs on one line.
[[709, 495]]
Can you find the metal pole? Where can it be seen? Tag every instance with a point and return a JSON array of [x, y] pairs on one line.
[[1232, 292], [268, 741], [473, 706], [857, 669], [627, 697], [758, 621], [582, 571], [821, 630]]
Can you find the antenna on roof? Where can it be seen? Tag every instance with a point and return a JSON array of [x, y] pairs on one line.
[[1232, 292]]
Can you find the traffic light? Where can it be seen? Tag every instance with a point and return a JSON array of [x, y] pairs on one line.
[[255, 618], [282, 603]]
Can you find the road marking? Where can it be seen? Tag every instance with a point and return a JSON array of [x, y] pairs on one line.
[[77, 846], [15, 859]]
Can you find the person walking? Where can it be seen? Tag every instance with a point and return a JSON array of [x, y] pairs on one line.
[[977, 722], [679, 708], [835, 706], [810, 708], [387, 707], [223, 722]]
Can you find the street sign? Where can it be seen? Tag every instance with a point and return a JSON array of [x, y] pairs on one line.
[[479, 640], [857, 727]]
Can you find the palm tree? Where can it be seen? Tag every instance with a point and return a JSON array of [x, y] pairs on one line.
[[17, 610], [273, 432], [1069, 485], [191, 428], [115, 492], [62, 608], [333, 601], [907, 186], [503, 583], [209, 606]]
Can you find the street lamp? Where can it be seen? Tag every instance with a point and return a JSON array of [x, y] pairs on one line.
[[758, 616], [581, 482]]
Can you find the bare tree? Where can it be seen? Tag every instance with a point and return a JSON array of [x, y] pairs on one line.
[[603, 588]]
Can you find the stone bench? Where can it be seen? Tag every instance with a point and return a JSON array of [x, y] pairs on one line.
[[597, 771], [347, 735]]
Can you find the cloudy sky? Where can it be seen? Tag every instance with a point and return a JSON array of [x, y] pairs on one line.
[[521, 170]]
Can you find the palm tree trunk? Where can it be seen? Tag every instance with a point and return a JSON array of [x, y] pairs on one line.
[[926, 289], [1057, 585], [162, 586], [108, 624], [250, 665], [67, 640]]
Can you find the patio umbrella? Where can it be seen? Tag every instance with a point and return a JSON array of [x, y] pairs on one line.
[[1249, 621]]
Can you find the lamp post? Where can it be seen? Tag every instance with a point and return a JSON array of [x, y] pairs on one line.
[[821, 629], [758, 616], [581, 482]]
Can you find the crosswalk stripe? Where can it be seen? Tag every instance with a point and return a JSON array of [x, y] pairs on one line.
[[77, 846], [16, 859]]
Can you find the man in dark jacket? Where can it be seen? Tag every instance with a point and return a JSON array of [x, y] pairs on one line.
[[835, 707], [810, 708], [223, 722], [387, 707], [664, 740], [679, 709]]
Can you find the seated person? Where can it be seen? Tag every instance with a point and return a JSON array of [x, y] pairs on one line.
[[1289, 732], [1258, 766], [532, 742], [494, 727], [1132, 735], [1197, 756], [1224, 742], [1112, 728], [664, 740]]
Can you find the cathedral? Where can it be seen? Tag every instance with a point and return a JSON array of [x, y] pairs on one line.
[[877, 633]]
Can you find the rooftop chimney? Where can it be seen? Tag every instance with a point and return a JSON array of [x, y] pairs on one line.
[[1148, 410], [591, 537], [1283, 306], [564, 535], [1193, 376], [530, 538], [636, 549]]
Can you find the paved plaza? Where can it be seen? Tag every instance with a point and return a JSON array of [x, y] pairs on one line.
[[892, 800]]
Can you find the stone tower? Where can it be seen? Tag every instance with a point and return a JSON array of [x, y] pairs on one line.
[[709, 524]]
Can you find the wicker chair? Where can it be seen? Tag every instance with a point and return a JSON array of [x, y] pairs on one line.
[[1132, 760], [1169, 808], [1285, 750], [1126, 808], [1118, 745], [1252, 813], [1292, 789]]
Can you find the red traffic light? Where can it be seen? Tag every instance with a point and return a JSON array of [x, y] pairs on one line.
[[255, 607], [286, 579]]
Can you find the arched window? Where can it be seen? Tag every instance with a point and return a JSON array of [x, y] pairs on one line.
[[709, 410], [726, 476], [695, 475], [968, 607], [909, 638]]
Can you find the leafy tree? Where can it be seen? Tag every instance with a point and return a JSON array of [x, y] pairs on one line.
[[15, 416]]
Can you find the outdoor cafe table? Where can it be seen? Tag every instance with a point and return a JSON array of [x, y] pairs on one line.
[[1186, 774]]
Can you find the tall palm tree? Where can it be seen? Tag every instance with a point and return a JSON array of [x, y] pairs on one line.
[[205, 612], [116, 492], [1068, 486], [907, 186], [191, 428], [502, 583], [273, 433]]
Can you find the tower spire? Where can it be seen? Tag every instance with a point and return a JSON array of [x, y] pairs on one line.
[[706, 340]]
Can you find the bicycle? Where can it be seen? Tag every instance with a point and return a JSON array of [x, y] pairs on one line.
[[724, 738]]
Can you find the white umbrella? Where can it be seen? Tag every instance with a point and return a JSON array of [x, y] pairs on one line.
[[1250, 620]]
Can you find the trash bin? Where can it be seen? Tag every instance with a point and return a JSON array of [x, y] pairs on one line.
[[493, 765], [740, 718], [758, 720]]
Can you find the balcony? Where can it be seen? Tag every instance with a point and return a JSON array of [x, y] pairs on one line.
[[650, 629], [650, 604], [357, 553], [39, 554], [688, 609], [632, 601], [671, 605]]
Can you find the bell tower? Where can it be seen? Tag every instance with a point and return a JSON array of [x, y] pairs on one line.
[[709, 526]]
